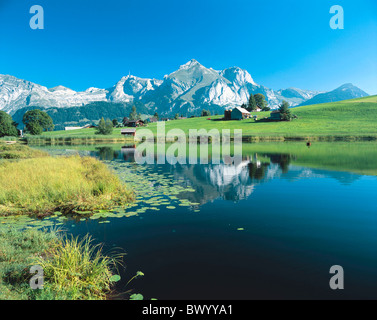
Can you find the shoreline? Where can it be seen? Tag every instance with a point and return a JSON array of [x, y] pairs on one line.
[[41, 140]]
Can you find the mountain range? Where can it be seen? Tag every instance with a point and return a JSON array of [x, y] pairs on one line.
[[188, 90]]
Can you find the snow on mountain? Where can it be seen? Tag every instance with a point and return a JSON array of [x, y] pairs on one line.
[[188, 90], [16, 94], [130, 88], [237, 76]]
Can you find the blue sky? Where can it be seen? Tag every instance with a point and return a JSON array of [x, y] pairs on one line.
[[281, 43]]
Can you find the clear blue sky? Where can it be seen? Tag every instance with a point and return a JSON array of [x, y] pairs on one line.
[[281, 43]]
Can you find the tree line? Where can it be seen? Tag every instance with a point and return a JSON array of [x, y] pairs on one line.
[[256, 101], [35, 121]]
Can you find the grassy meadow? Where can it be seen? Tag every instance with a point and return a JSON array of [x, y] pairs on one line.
[[345, 119]]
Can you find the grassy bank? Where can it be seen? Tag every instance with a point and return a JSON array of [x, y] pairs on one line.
[[75, 137], [34, 183], [72, 269], [345, 120], [358, 157], [42, 186], [19, 151]]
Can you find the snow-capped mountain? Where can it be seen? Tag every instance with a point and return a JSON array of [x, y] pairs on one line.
[[188, 90], [130, 88], [16, 94], [194, 86]]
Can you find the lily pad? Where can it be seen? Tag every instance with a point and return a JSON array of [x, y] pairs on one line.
[[136, 296], [115, 278]]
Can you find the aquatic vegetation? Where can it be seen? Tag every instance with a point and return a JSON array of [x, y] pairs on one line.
[[79, 269], [65, 184], [152, 189], [73, 269], [137, 275], [137, 296]]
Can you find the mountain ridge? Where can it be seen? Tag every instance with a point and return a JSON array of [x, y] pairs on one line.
[[187, 90]]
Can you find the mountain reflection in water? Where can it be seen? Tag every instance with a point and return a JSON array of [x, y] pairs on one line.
[[233, 182]]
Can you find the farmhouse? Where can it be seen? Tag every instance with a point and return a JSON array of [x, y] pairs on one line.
[[152, 120], [275, 116], [228, 114], [135, 123], [88, 126], [236, 114], [128, 132]]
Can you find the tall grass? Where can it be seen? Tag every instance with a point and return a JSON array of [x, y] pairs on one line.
[[68, 139], [73, 269], [43, 186], [6, 138], [19, 151], [18, 250], [78, 269]]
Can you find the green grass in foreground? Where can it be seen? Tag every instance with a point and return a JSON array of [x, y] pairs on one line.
[[41, 186], [352, 118], [73, 269]]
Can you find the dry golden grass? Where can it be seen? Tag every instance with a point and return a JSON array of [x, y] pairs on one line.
[[41, 186], [19, 151]]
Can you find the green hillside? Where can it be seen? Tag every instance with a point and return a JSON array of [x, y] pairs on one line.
[[351, 118]]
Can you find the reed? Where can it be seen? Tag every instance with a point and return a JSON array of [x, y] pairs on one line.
[[78, 269], [19, 151], [73, 269], [42, 186]]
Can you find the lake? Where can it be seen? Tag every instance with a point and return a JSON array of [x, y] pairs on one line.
[[269, 227]]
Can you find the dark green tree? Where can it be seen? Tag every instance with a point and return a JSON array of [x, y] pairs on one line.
[[176, 116], [101, 128], [109, 127], [260, 100], [105, 127], [252, 105], [115, 123], [7, 126], [133, 114], [206, 113], [156, 116], [34, 129], [285, 112], [37, 121]]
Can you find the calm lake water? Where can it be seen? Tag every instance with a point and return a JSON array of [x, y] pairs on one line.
[[269, 228]]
